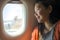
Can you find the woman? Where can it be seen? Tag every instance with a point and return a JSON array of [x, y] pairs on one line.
[[48, 24]]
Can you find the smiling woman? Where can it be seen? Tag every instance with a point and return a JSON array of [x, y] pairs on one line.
[[14, 19]]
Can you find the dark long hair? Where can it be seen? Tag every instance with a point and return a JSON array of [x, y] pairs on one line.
[[54, 15]]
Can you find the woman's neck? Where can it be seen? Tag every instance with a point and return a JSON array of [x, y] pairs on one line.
[[48, 25]]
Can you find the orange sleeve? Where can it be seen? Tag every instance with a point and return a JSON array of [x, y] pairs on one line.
[[35, 34], [57, 31]]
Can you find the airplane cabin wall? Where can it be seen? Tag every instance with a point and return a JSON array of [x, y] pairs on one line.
[[30, 21]]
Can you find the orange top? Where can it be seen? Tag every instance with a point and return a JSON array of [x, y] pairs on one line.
[[56, 32], [35, 34]]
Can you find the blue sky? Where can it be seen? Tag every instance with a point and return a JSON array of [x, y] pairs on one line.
[[12, 10]]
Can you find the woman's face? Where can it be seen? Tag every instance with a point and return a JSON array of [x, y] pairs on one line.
[[41, 13]]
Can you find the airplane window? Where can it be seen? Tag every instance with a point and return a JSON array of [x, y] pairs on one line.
[[14, 19]]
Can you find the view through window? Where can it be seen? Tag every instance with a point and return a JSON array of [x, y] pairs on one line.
[[14, 19]]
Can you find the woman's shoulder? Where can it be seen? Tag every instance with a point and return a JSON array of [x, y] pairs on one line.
[[35, 34], [57, 31], [58, 24], [35, 29], [57, 27]]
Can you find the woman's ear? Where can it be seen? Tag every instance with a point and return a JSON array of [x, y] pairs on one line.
[[50, 9]]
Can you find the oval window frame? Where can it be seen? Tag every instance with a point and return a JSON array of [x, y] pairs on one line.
[[25, 17]]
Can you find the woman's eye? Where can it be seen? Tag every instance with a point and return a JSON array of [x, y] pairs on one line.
[[37, 8]]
